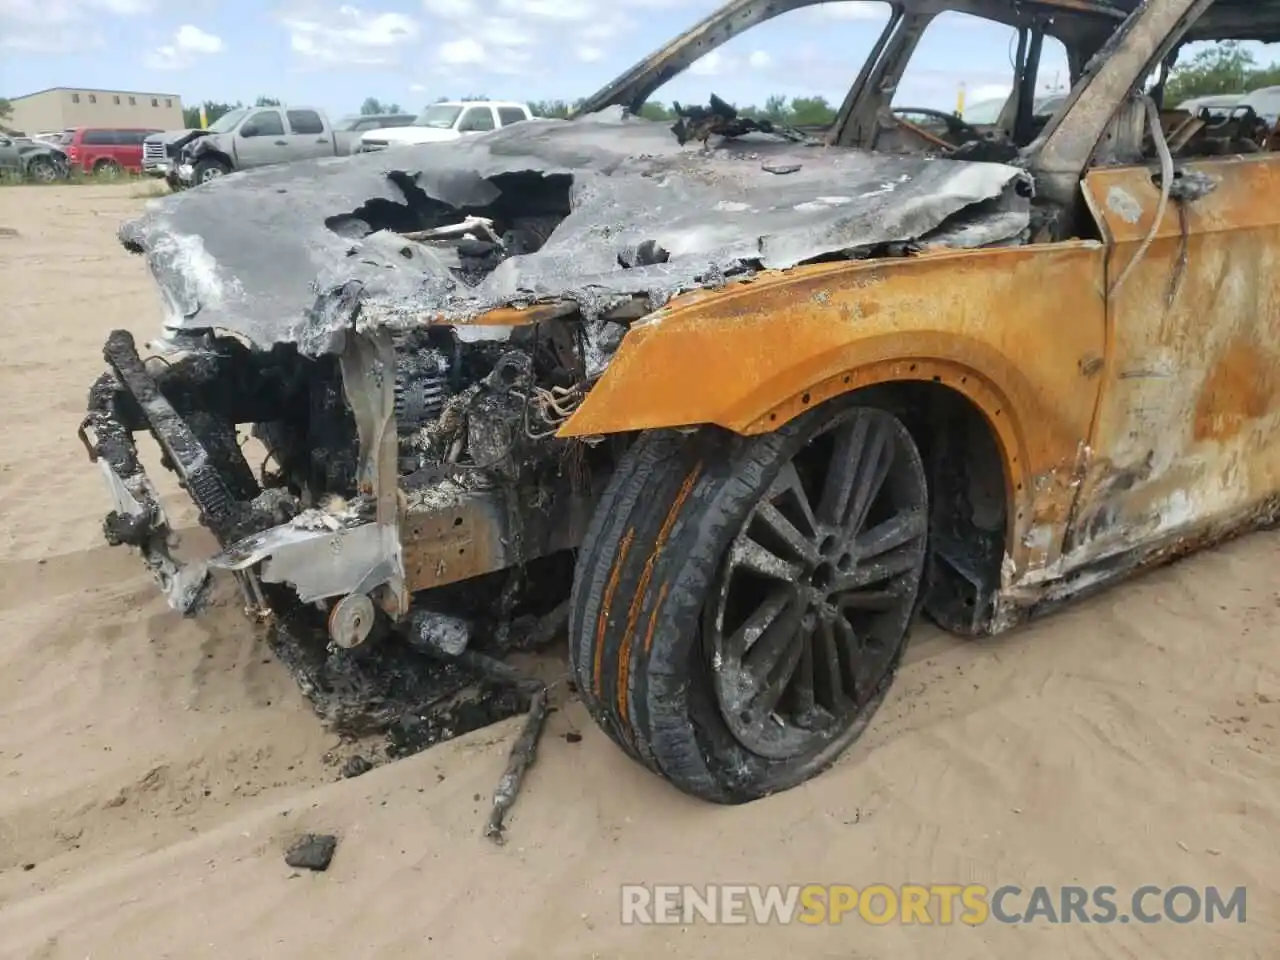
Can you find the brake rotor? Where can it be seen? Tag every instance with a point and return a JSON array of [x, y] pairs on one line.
[[351, 620]]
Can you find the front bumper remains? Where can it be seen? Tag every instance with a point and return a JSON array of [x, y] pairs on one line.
[[384, 545], [322, 556]]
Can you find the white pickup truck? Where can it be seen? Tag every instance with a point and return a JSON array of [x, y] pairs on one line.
[[448, 120]]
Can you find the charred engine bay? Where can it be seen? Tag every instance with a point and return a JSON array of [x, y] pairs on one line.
[[596, 221], [470, 417]]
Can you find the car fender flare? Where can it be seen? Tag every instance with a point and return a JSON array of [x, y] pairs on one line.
[[754, 355]]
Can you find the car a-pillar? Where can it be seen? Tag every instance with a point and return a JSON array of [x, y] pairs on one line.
[[742, 601]]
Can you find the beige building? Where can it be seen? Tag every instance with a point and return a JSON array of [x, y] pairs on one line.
[[60, 108]]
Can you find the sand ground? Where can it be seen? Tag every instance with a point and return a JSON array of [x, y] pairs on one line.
[[152, 770]]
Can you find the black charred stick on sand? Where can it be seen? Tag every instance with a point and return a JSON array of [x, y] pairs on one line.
[[525, 749]]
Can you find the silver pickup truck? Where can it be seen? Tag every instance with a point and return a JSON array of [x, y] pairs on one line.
[[257, 137]]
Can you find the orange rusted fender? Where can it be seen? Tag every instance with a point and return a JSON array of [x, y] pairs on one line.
[[1019, 331]]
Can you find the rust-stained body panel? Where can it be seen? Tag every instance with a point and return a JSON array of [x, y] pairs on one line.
[[754, 356], [1188, 426]]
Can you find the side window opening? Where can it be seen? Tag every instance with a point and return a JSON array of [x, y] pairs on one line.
[[965, 68], [793, 69], [1219, 96], [476, 119], [305, 122], [267, 123]]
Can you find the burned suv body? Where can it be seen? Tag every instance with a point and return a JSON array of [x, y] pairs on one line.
[[777, 393]]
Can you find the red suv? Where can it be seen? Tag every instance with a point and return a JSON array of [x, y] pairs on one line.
[[105, 149]]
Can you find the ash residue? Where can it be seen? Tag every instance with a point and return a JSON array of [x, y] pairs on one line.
[[390, 689], [415, 731]]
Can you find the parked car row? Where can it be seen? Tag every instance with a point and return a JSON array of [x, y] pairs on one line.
[[244, 138], [92, 150], [251, 137]]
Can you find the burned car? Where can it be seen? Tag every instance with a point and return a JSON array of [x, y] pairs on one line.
[[768, 395]]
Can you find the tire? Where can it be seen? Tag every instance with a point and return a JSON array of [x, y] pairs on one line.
[[665, 575], [42, 170], [208, 169], [106, 168]]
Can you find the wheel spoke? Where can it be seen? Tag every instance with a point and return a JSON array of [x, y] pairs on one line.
[[828, 679], [803, 688], [775, 682], [747, 554], [851, 653], [889, 535], [787, 486], [797, 543], [779, 643], [761, 618], [842, 472], [874, 468], [886, 567]]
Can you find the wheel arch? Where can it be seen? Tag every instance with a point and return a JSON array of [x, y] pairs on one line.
[[976, 492], [217, 156]]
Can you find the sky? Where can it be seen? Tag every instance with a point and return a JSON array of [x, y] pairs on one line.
[[411, 52]]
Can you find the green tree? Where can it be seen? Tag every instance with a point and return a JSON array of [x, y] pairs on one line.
[[6, 108], [266, 102], [653, 110], [373, 106], [810, 111], [553, 109], [1222, 68], [213, 110]]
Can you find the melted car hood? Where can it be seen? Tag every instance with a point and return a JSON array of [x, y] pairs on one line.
[[300, 253]]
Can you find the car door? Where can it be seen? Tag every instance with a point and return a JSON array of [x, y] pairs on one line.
[[1187, 431], [476, 119], [260, 140], [9, 162], [308, 136]]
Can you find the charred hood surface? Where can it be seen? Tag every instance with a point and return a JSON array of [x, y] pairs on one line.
[[611, 206]]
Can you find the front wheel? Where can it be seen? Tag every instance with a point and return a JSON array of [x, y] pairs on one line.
[[42, 170], [208, 169], [741, 603]]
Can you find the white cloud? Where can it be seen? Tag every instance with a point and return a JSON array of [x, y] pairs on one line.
[[853, 10], [417, 88], [349, 35], [195, 40], [760, 60], [450, 9], [503, 32], [461, 51], [561, 10], [61, 26], [587, 53], [709, 64], [189, 44]]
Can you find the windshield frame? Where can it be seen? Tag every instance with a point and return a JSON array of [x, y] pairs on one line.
[[421, 119]]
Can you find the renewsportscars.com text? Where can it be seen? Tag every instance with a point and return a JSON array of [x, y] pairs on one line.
[[938, 904]]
